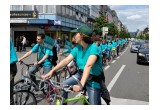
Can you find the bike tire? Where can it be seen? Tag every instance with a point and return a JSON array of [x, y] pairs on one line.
[[24, 97], [23, 86]]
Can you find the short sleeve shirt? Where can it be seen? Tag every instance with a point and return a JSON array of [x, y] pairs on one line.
[[41, 53], [81, 56], [13, 55]]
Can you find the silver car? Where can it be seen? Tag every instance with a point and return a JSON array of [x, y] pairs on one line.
[[135, 46]]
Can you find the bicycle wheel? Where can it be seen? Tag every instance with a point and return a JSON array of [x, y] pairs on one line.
[[24, 97], [63, 75], [22, 84], [55, 77]]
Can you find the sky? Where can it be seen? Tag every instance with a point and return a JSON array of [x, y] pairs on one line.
[[132, 16]]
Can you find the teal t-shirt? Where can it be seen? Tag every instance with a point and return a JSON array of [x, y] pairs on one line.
[[13, 55], [81, 56], [67, 51], [41, 53], [104, 47]]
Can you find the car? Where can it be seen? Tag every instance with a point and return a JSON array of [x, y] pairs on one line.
[[143, 54], [135, 46]]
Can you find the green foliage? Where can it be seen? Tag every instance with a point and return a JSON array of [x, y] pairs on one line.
[[123, 34], [101, 22], [147, 37], [112, 29], [140, 37]]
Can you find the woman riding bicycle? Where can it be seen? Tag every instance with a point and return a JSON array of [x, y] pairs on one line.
[[88, 60]]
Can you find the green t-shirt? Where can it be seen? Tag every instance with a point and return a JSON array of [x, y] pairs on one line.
[[41, 54], [81, 56]]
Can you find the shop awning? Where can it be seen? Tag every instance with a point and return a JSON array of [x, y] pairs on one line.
[[40, 22]]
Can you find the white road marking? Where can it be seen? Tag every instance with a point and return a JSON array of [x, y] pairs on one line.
[[121, 101], [107, 67], [113, 61], [117, 57], [111, 84]]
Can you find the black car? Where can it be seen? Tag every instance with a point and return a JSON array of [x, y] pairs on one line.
[[143, 54]]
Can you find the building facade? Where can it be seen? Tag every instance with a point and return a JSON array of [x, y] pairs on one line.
[[94, 13], [54, 20]]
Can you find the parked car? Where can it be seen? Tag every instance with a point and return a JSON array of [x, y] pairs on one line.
[[135, 46], [143, 54]]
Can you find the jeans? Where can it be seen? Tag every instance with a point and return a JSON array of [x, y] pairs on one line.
[[23, 47], [118, 50], [105, 93], [34, 69], [93, 93], [13, 71]]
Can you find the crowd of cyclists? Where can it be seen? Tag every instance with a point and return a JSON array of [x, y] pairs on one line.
[[110, 49], [90, 56]]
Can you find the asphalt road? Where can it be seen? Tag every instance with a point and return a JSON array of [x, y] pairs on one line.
[[127, 81], [131, 80]]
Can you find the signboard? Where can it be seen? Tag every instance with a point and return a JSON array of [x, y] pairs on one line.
[[105, 30], [57, 22], [18, 21], [23, 14]]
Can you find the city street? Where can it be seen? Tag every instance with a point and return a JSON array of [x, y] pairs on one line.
[[127, 81]]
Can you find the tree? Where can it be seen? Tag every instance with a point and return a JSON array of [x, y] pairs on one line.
[[147, 37], [101, 22], [112, 29], [122, 34], [140, 37]]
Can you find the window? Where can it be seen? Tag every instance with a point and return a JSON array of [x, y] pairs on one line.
[[71, 25], [67, 11], [63, 10], [67, 20], [74, 22], [70, 21], [50, 9], [27, 7], [39, 8], [63, 23], [16, 7], [77, 7], [74, 13], [70, 12], [63, 19], [59, 9]]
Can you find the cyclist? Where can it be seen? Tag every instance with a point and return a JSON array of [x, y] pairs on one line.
[[88, 60], [43, 59], [68, 48], [13, 70]]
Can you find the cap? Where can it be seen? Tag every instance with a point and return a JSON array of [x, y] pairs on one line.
[[83, 29]]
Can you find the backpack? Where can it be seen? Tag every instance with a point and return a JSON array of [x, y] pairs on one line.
[[54, 58]]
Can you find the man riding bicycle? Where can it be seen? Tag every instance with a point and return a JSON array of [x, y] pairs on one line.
[[43, 59]]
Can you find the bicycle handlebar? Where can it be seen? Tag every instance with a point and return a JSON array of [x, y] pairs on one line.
[[22, 63]]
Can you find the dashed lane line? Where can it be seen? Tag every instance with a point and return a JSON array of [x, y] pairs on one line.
[[107, 67], [111, 84], [113, 61]]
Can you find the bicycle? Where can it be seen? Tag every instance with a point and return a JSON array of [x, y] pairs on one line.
[[54, 95], [67, 71], [25, 83], [24, 97]]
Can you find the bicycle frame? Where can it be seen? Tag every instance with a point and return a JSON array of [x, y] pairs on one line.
[[80, 98], [58, 99]]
